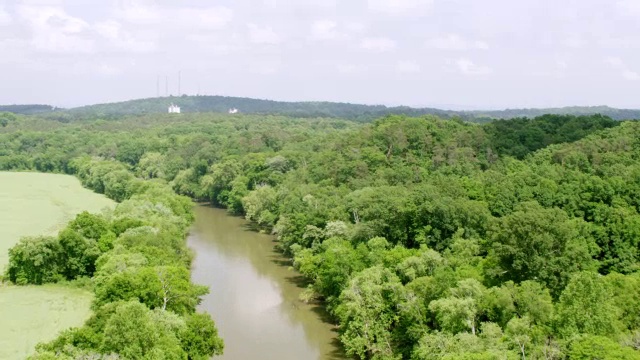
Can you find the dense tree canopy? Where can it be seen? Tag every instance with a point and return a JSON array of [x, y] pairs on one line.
[[425, 238], [136, 254]]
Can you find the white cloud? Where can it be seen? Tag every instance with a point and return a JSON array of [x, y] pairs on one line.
[[618, 42], [53, 30], [555, 67], [216, 17], [270, 3], [628, 7], [263, 35], [615, 62], [53, 18], [562, 64], [379, 44], [108, 70], [109, 29], [356, 27], [145, 13], [265, 68], [5, 18], [121, 39], [400, 7], [455, 42], [481, 45], [575, 41], [619, 65], [325, 30], [349, 69], [216, 43], [468, 67], [13, 51], [139, 12], [630, 75], [330, 4], [407, 67]]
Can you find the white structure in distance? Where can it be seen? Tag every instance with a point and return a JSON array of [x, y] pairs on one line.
[[174, 109], [233, 111]]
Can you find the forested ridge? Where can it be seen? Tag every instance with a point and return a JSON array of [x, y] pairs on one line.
[[27, 109], [221, 104], [425, 238], [614, 113], [305, 109]]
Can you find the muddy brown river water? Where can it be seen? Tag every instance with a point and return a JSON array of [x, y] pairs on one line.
[[254, 297]]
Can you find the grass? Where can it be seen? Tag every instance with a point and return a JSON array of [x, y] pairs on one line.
[[33, 204], [32, 314]]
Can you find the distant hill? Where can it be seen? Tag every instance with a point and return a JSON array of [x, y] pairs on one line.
[[616, 114], [27, 109], [356, 112], [191, 104]]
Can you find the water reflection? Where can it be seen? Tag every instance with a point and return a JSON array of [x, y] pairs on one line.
[[254, 299]]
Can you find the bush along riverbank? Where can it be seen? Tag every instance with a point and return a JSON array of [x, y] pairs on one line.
[[139, 268]]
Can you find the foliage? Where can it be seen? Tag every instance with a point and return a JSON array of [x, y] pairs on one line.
[[426, 238], [534, 243], [587, 291], [197, 335], [134, 253], [357, 112], [521, 136], [367, 310], [599, 347], [32, 314], [26, 109], [35, 261], [7, 118], [35, 204]]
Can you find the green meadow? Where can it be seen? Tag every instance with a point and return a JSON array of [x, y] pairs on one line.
[[32, 314], [34, 204]]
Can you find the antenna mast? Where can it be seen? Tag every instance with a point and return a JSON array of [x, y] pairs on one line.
[[179, 82], [166, 85]]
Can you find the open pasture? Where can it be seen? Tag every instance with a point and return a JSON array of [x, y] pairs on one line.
[[33, 204], [32, 314]]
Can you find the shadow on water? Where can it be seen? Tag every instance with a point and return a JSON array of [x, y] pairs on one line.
[[298, 280], [338, 352], [280, 260], [326, 317], [248, 226]]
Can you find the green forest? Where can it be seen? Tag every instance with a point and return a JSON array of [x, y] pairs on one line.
[[424, 237], [302, 109]]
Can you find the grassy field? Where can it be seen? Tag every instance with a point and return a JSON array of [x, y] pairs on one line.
[[39, 204], [31, 314]]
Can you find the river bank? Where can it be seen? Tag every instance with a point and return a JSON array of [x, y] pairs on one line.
[[254, 297]]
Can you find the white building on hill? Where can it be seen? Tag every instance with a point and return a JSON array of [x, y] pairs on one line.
[[233, 111], [174, 109]]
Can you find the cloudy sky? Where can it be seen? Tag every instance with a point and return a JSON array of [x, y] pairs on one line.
[[446, 53]]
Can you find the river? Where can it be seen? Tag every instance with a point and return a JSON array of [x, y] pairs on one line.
[[254, 294]]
